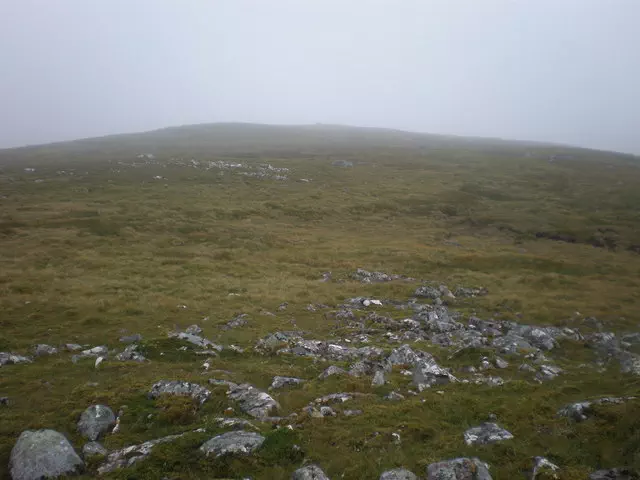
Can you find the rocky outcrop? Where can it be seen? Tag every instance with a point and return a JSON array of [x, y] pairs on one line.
[[172, 387], [485, 434]]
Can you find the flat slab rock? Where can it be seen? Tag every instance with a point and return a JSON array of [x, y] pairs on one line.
[[580, 411], [128, 456], [279, 382], [196, 340], [615, 474], [486, 433], [172, 387], [310, 472], [12, 358], [43, 454], [232, 443], [253, 401], [459, 469]]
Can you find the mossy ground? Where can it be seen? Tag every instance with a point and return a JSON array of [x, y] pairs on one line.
[[90, 257]]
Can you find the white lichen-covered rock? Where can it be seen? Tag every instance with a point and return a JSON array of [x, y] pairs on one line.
[[310, 472], [172, 387], [128, 456], [232, 443], [253, 401], [459, 469], [398, 474], [486, 433]]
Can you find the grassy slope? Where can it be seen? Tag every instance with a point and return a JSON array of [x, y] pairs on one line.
[[86, 257]]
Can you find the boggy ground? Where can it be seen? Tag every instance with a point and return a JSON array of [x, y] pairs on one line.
[[94, 249]]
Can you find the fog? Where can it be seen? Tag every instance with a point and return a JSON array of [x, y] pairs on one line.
[[563, 71]]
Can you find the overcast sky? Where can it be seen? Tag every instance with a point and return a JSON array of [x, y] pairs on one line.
[[558, 70]]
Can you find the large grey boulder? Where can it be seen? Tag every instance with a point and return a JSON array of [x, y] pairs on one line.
[[398, 474], [232, 443], [95, 421], [486, 433], [459, 469], [43, 454], [167, 387], [310, 472], [253, 401]]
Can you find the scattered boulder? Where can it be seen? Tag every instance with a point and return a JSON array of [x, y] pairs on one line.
[[92, 449], [352, 413], [237, 321], [394, 396], [12, 358], [365, 276], [4, 401], [196, 340], [426, 291], [72, 347], [378, 379], [485, 434], [501, 363], [279, 382], [96, 421], [580, 411], [342, 163], [238, 442], [43, 454], [398, 474], [128, 456], [95, 352], [543, 466], [470, 292], [252, 401], [193, 329], [427, 373], [131, 353], [131, 338], [234, 423], [459, 469], [547, 372], [173, 387], [42, 350], [406, 356], [615, 474], [310, 472]]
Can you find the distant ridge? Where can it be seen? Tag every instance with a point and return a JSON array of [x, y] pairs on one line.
[[262, 139]]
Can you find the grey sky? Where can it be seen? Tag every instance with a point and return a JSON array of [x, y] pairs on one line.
[[558, 70]]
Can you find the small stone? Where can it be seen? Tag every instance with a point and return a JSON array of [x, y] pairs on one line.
[[326, 411], [4, 401], [238, 442], [615, 474], [525, 367], [396, 438], [12, 358], [310, 472], [193, 329]]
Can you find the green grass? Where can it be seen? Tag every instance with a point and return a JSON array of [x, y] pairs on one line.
[[90, 257]]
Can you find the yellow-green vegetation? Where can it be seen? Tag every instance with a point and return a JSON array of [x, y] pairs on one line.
[[93, 247]]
